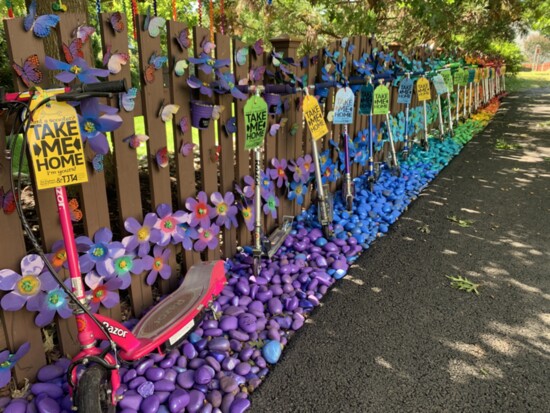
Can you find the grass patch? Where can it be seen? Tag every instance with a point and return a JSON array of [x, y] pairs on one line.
[[464, 223], [502, 145], [527, 80], [464, 284]]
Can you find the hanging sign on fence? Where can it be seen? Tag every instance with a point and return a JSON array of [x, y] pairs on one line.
[[464, 77], [471, 75], [405, 92], [439, 84], [56, 146], [255, 121], [344, 106], [381, 101], [366, 95], [423, 89], [448, 78], [314, 117]]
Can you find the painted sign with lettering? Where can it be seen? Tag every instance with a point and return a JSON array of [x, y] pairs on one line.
[[381, 101], [255, 121], [423, 89], [366, 95], [405, 91], [439, 84], [314, 117], [344, 106]]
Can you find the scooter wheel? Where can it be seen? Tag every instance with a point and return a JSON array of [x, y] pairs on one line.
[[371, 185], [396, 171], [93, 394], [425, 145]]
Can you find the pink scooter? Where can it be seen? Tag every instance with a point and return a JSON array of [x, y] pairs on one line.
[[161, 329]]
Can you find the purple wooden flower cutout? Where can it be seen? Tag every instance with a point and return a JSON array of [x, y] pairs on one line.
[[208, 238], [77, 69], [98, 253], [225, 210], [104, 292], [142, 234], [169, 224], [158, 264], [199, 210], [94, 124], [278, 174]]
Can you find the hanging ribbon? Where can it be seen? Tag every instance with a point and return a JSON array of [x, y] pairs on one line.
[[98, 7], [10, 9], [174, 12], [134, 14], [211, 16], [222, 17], [155, 9], [200, 13]]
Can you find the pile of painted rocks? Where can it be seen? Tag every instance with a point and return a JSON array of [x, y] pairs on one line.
[[229, 354]]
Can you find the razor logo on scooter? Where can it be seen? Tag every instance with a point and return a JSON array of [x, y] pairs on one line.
[[115, 330]]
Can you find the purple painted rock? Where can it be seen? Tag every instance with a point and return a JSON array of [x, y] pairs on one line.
[[242, 369], [247, 322], [239, 405], [228, 384], [131, 400], [189, 351], [219, 344], [229, 363], [212, 362], [196, 400], [144, 365], [215, 398], [165, 385], [209, 324], [136, 382], [50, 389], [178, 401], [196, 363], [228, 323], [151, 404], [146, 389], [155, 374], [185, 379], [16, 406], [204, 375], [50, 372], [170, 375]]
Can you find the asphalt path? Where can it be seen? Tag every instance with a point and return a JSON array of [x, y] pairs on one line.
[[394, 336]]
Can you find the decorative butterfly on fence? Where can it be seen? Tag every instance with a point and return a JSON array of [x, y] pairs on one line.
[[40, 25], [187, 148], [97, 162], [7, 201], [83, 32], [128, 99], [29, 72], [153, 24], [115, 61], [215, 153], [180, 66], [241, 56], [167, 112], [207, 46], [195, 83], [162, 157], [116, 21], [135, 140], [73, 50], [184, 124], [76, 213], [258, 47], [276, 126], [155, 63], [183, 39]]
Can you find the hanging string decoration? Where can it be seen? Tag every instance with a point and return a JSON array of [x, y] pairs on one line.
[[134, 13], [9, 6], [155, 8], [200, 12], [174, 12], [98, 7], [222, 17], [211, 17]]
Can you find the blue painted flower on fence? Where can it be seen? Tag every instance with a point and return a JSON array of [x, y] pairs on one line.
[[266, 184], [102, 292], [169, 224], [123, 265], [142, 234], [189, 234], [77, 69], [225, 210], [94, 124], [98, 253], [271, 204], [25, 288], [298, 171], [297, 191], [8, 361], [53, 301], [158, 264]]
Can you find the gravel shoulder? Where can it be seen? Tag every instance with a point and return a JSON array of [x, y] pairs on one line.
[[394, 336]]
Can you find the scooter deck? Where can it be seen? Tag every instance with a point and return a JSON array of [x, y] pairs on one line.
[[170, 320], [278, 236]]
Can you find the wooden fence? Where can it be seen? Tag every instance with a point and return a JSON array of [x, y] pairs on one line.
[[106, 206]]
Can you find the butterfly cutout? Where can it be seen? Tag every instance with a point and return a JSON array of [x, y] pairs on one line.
[[230, 125], [40, 25], [59, 7], [7, 201], [97, 162], [241, 56], [155, 63], [344, 42], [180, 66], [135, 140], [116, 22], [115, 61], [162, 157], [83, 32], [226, 83], [183, 39], [167, 112], [276, 126], [330, 116], [215, 153], [258, 47], [351, 48], [187, 148], [153, 24], [217, 111], [257, 74], [207, 46], [29, 72], [184, 124], [73, 50], [206, 63], [76, 213], [128, 100]]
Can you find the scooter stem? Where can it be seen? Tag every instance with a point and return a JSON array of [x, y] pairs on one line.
[[425, 121], [440, 114], [257, 203], [392, 146], [450, 112], [406, 128]]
